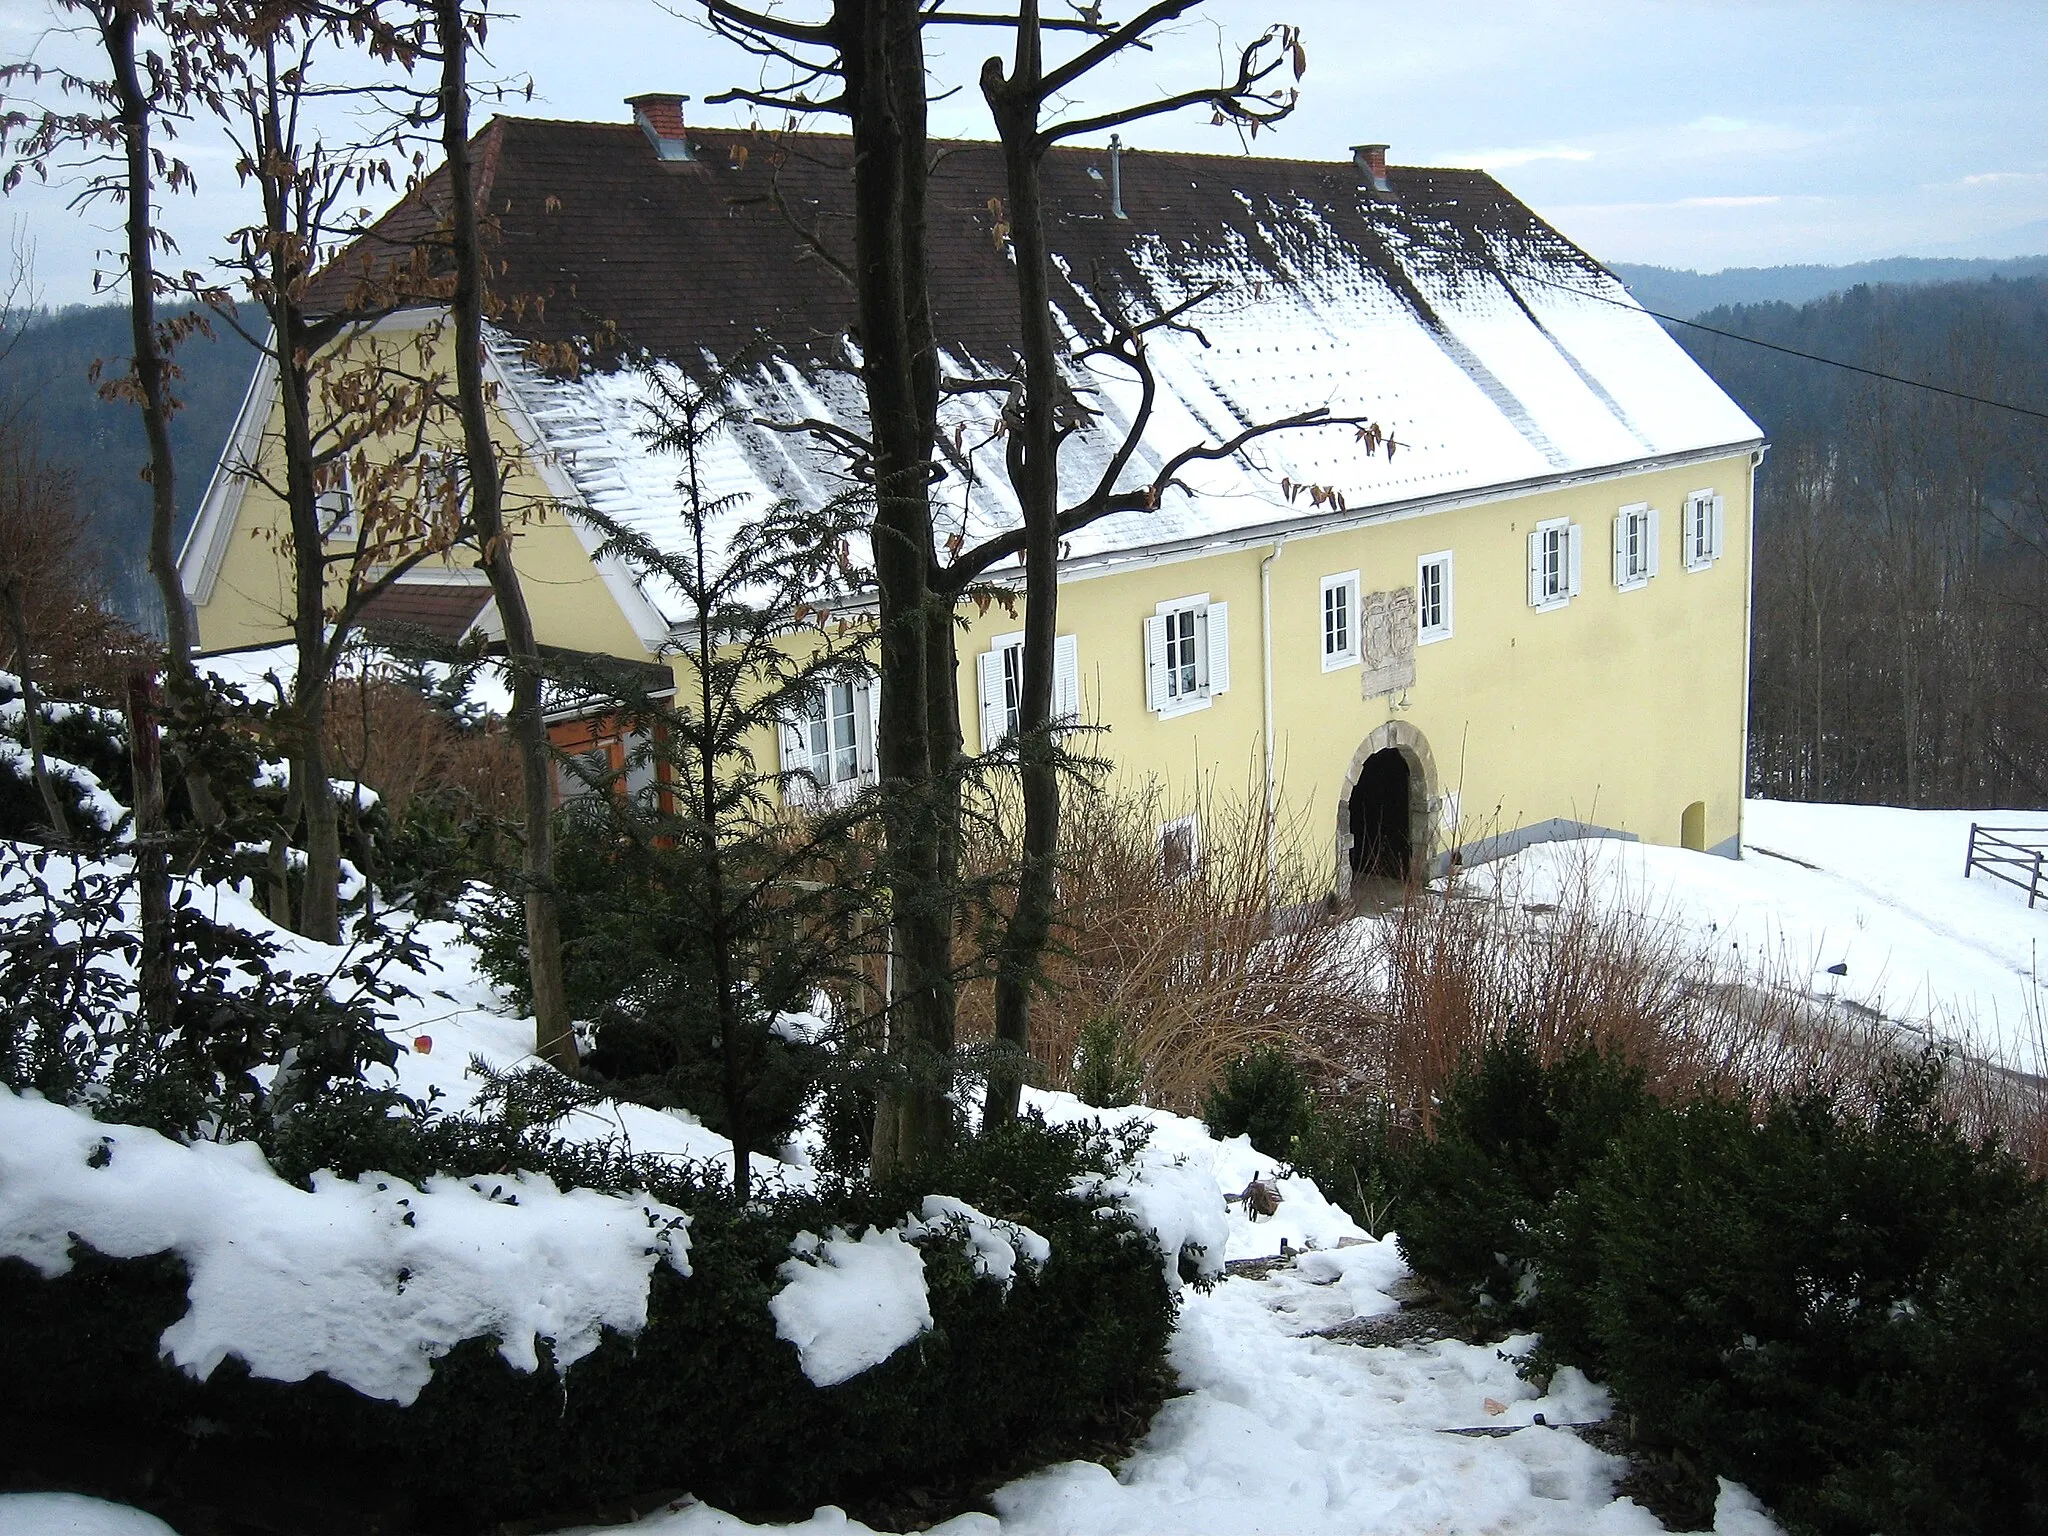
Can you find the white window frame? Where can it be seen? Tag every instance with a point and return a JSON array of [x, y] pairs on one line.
[[1196, 632], [1555, 559], [848, 765], [1427, 633], [999, 685], [1191, 825], [1637, 538], [336, 510], [1704, 529], [1345, 588]]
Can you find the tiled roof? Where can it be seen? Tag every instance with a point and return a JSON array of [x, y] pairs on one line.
[[1492, 349]]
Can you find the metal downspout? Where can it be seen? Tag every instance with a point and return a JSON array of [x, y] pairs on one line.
[[1272, 785]]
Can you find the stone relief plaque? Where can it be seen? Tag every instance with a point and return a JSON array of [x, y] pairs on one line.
[[1386, 634]]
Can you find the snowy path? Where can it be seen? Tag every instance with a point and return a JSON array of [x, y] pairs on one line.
[[1281, 1433]]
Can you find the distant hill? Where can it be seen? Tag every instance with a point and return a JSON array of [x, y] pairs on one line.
[[1674, 291], [46, 375]]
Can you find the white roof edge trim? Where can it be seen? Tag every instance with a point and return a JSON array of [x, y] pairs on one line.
[[206, 542], [647, 624], [1168, 551]]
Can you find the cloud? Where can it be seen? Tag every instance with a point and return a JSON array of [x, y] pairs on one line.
[[1713, 124], [1508, 159], [1989, 178], [1727, 202]]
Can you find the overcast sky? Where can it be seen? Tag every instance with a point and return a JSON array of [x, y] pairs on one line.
[[1688, 134]]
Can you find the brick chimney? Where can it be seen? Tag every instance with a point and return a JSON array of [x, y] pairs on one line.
[[660, 117], [1371, 160]]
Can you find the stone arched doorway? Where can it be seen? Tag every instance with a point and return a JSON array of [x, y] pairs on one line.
[[1386, 827]]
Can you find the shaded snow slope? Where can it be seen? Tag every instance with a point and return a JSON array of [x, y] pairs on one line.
[[1874, 889], [73, 1514]]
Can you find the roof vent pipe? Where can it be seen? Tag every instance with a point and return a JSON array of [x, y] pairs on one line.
[[1371, 160], [1116, 176], [660, 116]]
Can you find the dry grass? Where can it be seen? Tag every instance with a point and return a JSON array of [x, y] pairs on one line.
[[1191, 973], [1188, 971]]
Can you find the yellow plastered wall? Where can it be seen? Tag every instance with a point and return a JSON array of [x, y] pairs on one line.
[[1618, 710], [571, 606]]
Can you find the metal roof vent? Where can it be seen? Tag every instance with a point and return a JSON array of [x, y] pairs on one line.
[[660, 117]]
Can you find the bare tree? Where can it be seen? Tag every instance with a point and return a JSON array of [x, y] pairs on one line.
[[455, 31], [161, 63], [356, 521], [1042, 413]]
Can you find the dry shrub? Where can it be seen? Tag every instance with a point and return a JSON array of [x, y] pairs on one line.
[[78, 648], [387, 736], [1188, 971]]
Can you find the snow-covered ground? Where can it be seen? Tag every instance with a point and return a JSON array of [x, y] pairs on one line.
[[1277, 1429], [1873, 889]]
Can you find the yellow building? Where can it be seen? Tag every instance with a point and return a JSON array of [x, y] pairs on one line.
[[1516, 611]]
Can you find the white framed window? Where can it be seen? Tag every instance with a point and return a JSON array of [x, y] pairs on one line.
[[335, 508], [999, 685], [1340, 621], [1635, 546], [1433, 597], [829, 748], [1704, 518], [1554, 558], [1180, 848], [1187, 655]]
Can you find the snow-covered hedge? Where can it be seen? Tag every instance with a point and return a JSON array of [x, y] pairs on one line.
[[438, 1352]]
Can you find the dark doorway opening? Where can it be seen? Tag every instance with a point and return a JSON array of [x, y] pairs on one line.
[[1382, 844]]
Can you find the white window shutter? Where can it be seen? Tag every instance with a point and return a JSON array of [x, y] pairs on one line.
[[1219, 648], [1655, 542], [864, 729], [1536, 570], [1066, 679], [1720, 519], [1621, 550], [1449, 572], [795, 791], [988, 667], [1573, 540], [1155, 663]]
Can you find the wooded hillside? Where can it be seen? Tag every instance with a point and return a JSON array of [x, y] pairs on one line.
[[46, 376], [1899, 651]]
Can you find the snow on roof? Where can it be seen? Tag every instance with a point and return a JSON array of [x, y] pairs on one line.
[[1493, 351]]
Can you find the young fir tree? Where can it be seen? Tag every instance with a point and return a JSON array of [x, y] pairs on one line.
[[756, 873]]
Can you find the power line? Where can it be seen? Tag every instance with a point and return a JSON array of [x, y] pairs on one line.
[[1811, 357]]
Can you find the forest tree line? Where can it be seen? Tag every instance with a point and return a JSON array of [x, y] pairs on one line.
[[1900, 628]]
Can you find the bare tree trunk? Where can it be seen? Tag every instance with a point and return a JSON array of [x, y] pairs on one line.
[[554, 1038], [117, 33], [918, 740], [1033, 453], [157, 971]]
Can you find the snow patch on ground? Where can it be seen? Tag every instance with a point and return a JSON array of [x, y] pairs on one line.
[[848, 1305], [369, 1281]]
